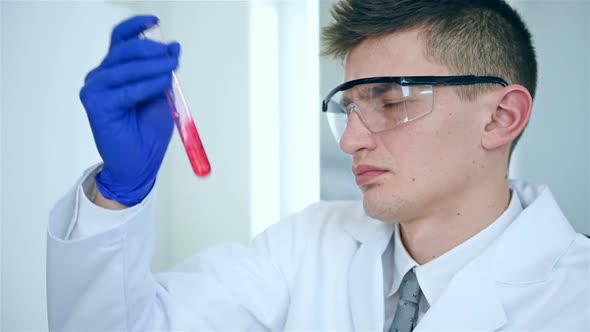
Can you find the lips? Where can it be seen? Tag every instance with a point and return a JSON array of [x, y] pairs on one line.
[[367, 173]]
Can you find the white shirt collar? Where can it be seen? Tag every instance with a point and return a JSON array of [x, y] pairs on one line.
[[435, 275]]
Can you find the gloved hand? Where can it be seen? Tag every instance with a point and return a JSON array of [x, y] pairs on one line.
[[127, 110]]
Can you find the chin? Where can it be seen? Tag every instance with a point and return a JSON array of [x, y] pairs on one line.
[[388, 208]]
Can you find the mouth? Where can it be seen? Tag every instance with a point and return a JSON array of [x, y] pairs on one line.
[[365, 174]]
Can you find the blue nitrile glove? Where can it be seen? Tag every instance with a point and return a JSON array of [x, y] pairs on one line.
[[127, 110]]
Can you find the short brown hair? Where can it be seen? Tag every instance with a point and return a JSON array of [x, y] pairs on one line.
[[470, 37]]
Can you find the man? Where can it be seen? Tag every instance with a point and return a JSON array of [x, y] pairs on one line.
[[436, 95]]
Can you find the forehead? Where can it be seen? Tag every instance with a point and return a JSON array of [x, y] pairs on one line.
[[396, 54]]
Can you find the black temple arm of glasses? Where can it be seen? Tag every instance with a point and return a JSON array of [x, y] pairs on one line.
[[416, 80]]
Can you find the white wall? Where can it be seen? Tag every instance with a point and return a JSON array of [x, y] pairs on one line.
[[45, 140], [284, 99], [194, 213], [47, 47], [1, 135], [230, 69], [300, 103], [555, 148]]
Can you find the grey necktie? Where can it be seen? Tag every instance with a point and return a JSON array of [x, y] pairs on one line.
[[406, 315]]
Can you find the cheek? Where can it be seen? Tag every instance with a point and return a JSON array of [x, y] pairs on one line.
[[413, 151], [455, 128], [434, 146]]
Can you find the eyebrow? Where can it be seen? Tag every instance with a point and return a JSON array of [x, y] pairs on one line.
[[375, 90]]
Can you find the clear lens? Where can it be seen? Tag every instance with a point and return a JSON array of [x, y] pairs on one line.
[[380, 106]]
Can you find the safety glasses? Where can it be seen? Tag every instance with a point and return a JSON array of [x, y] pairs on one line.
[[383, 103]]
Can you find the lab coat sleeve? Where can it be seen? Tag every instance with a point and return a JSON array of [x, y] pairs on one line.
[[90, 218], [103, 282]]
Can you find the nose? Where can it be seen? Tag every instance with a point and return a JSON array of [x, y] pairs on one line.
[[356, 136]]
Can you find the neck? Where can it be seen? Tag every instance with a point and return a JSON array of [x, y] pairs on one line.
[[465, 215]]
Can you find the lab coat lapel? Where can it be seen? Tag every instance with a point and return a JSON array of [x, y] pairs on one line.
[[470, 302], [366, 274], [528, 249], [525, 253]]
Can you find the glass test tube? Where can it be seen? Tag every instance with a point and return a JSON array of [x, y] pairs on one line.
[[182, 117]]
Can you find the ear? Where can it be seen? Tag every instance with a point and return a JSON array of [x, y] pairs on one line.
[[509, 118]]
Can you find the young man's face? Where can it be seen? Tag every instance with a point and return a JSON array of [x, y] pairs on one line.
[[430, 163]]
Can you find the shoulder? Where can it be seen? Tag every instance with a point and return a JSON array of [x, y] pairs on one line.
[[334, 212], [318, 218], [308, 233], [333, 224]]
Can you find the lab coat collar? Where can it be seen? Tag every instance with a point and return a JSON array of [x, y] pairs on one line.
[[361, 227], [365, 281], [465, 304], [402, 261], [525, 253], [470, 302], [537, 238]]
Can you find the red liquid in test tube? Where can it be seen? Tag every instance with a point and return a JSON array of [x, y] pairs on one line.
[[187, 130], [182, 117]]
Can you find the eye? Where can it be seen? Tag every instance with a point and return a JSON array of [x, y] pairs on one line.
[[394, 111], [393, 105]]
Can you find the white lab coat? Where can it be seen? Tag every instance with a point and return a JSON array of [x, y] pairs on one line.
[[319, 269]]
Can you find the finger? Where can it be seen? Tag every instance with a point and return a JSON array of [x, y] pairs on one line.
[[130, 95], [139, 49], [134, 49], [132, 72], [131, 28], [174, 49]]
